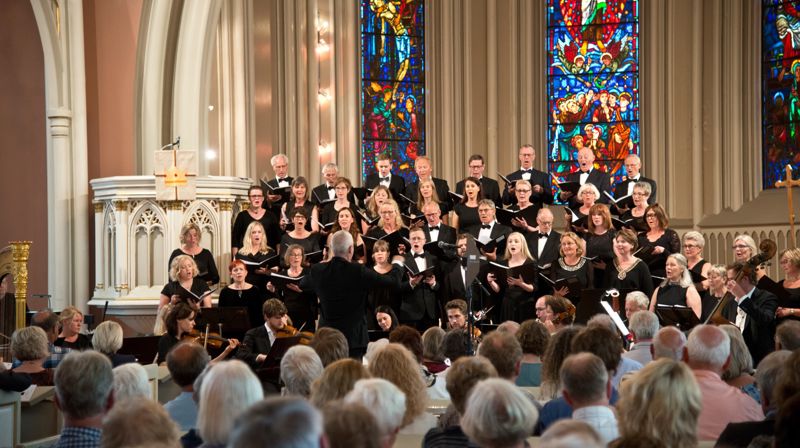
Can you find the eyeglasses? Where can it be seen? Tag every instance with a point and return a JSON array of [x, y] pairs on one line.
[[650, 215], [740, 246], [255, 196], [523, 191], [638, 194], [690, 246], [387, 212]]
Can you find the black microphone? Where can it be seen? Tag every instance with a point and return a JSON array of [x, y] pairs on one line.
[[177, 142], [446, 246]]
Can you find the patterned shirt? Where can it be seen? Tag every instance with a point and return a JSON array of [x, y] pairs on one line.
[[56, 355], [79, 437]]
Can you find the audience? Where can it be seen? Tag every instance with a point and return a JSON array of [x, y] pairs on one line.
[[433, 350], [185, 362], [787, 336], [279, 422], [570, 434], [350, 425], [300, 367], [587, 388], [387, 402], [152, 428], [29, 346], [330, 344], [626, 365], [662, 403], [130, 381], [558, 349], [454, 344], [227, 390], [504, 352], [636, 301], [533, 338], [669, 343], [336, 381], [107, 339], [707, 353], [643, 325], [511, 327], [787, 424], [47, 320], [739, 372], [487, 427], [84, 394], [410, 338]]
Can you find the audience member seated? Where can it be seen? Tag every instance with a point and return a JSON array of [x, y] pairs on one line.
[[787, 424], [395, 363], [533, 338], [153, 427], [432, 350], [130, 381], [788, 380], [387, 403], [504, 352], [84, 394], [571, 433], [643, 326], [487, 427], [559, 347], [454, 344], [635, 301], [185, 362], [107, 339], [511, 327], [464, 375], [741, 434], [669, 343], [330, 344], [13, 382], [587, 387], [626, 365], [300, 367], [227, 390], [410, 338], [787, 336], [739, 372], [71, 321], [278, 422], [47, 320], [707, 352], [661, 402], [336, 381], [350, 425], [29, 346]]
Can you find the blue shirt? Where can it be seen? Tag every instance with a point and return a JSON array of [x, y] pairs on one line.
[[78, 437], [559, 409], [183, 410]]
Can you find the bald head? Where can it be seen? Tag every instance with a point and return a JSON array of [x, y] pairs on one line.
[[47, 321], [668, 343], [708, 348]]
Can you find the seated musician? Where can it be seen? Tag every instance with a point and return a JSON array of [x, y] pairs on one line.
[[257, 341], [180, 323], [457, 316]]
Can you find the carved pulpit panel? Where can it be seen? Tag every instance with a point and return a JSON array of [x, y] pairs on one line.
[[175, 175]]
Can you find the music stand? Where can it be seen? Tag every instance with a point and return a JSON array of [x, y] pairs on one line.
[[589, 305], [144, 348], [473, 267], [234, 320], [374, 335], [679, 316]]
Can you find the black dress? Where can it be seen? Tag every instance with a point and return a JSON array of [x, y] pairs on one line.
[[307, 206], [637, 278], [309, 244], [198, 288], [708, 302], [698, 269], [252, 299], [384, 295], [637, 223], [302, 307], [601, 247], [259, 280], [467, 216], [672, 294], [583, 271], [790, 301], [83, 342], [205, 264], [671, 244], [165, 344], [517, 304], [329, 214], [269, 221]]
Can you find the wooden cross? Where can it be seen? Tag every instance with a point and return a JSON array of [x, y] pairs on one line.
[[788, 183]]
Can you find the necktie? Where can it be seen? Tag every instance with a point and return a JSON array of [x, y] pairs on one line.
[[486, 226]]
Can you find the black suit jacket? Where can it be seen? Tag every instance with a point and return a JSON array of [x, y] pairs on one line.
[[742, 433], [622, 188], [453, 287], [447, 234], [550, 253], [597, 178], [256, 342], [537, 178], [342, 287], [497, 230], [759, 328], [274, 207], [396, 184], [490, 189], [442, 190], [422, 299]]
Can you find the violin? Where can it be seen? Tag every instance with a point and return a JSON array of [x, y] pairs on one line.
[[565, 316], [289, 331], [206, 339]]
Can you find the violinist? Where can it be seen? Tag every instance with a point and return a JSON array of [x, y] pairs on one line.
[[755, 314], [180, 325], [560, 313], [257, 341], [457, 317]]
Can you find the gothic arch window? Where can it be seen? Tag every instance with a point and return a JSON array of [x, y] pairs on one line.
[[592, 84], [780, 89], [149, 256], [109, 279], [392, 84]]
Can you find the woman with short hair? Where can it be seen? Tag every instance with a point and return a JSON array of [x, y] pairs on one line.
[[299, 233], [239, 293], [693, 243], [227, 391], [659, 240], [107, 339], [29, 345]]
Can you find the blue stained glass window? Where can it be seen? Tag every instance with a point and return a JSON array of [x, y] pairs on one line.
[[592, 84], [392, 84]]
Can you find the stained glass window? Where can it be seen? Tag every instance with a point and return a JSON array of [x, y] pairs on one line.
[[592, 84], [392, 84], [780, 77]]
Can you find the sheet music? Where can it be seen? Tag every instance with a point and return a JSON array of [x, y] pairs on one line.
[[615, 317]]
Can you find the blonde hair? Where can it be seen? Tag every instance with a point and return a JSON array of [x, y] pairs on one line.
[[372, 205], [523, 245], [107, 337], [578, 242], [661, 401], [247, 242], [153, 427], [395, 363], [337, 380], [185, 231], [434, 195], [228, 389], [398, 219], [175, 267], [67, 314]]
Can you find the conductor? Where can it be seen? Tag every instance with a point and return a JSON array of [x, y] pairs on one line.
[[342, 288]]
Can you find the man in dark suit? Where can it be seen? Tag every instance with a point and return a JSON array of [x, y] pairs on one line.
[[424, 172], [434, 228], [325, 191], [489, 229], [545, 243], [633, 166], [755, 315], [420, 306], [490, 189], [587, 174], [257, 341], [385, 177], [541, 191], [342, 287], [453, 279], [280, 165]]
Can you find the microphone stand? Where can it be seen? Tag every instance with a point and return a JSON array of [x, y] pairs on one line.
[[470, 321]]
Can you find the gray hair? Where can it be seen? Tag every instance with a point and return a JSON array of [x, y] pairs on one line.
[[788, 335], [130, 381], [641, 299], [570, 433], [386, 400], [84, 382], [153, 426], [695, 236], [329, 165], [432, 344], [602, 320], [278, 422], [709, 346], [669, 343], [275, 158], [227, 390], [645, 187], [741, 359], [584, 377], [300, 366], [718, 269], [768, 372], [589, 186], [484, 425], [747, 240], [644, 324], [686, 277], [29, 344], [341, 242], [107, 337]]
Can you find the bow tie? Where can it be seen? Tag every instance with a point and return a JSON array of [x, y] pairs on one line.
[[486, 226], [432, 228], [280, 180], [331, 188], [543, 235], [529, 170], [385, 179], [419, 256]]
